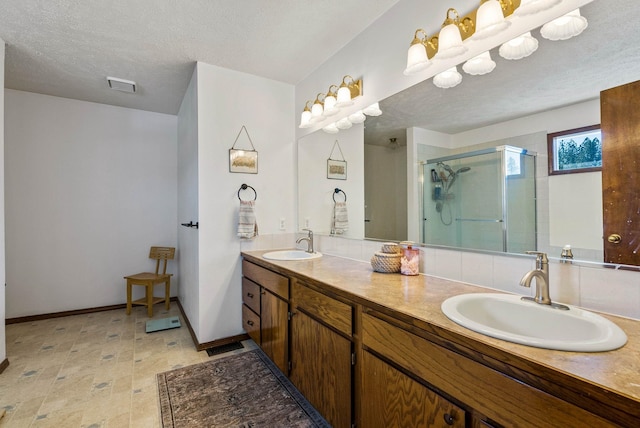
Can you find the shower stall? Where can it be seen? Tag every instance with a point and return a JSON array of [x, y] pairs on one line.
[[485, 200]]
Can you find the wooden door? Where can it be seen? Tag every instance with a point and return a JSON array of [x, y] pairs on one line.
[[321, 368], [274, 327], [389, 398], [620, 116]]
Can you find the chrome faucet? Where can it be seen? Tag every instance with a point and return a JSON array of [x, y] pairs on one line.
[[541, 274], [309, 239]]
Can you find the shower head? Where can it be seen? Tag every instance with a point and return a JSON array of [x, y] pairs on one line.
[[454, 175], [446, 167], [463, 169]]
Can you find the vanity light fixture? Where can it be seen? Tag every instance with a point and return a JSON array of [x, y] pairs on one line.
[[357, 117], [520, 47], [489, 20], [331, 129], [348, 91], [530, 7], [373, 110], [478, 65], [418, 57], [330, 102], [448, 78], [305, 117], [316, 110], [565, 27], [344, 123], [450, 37]]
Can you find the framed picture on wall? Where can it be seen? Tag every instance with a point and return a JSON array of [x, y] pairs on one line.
[[336, 169], [243, 161], [575, 150]]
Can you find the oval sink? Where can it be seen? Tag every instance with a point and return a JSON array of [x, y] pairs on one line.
[[509, 318], [291, 255]]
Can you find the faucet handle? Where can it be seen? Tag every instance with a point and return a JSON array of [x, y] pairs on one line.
[[540, 257], [309, 232]]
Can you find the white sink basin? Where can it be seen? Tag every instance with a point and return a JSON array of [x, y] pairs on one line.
[[509, 318], [291, 255]]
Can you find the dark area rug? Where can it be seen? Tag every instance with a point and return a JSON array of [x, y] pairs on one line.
[[242, 390]]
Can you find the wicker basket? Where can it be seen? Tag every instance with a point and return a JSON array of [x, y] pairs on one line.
[[385, 262], [391, 248]]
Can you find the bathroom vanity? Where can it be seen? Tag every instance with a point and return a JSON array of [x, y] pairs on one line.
[[370, 349]]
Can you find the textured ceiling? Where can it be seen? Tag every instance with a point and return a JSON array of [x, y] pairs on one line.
[[66, 48], [562, 73]]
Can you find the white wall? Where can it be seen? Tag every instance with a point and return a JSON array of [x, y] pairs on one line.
[[316, 191], [3, 347], [226, 101], [189, 291], [89, 188]]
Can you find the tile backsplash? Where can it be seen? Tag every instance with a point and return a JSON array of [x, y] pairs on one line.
[[586, 285]]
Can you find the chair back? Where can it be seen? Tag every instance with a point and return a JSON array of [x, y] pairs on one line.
[[164, 254]]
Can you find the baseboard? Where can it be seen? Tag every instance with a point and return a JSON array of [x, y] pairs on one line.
[[202, 346], [4, 365], [40, 317]]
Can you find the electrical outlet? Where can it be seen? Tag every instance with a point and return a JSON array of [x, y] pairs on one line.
[[307, 222], [282, 223]]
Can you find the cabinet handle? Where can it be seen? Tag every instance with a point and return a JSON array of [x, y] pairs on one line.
[[250, 322], [250, 295], [448, 419]]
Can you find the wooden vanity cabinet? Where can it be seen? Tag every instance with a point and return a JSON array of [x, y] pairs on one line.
[[476, 388], [269, 309], [322, 352]]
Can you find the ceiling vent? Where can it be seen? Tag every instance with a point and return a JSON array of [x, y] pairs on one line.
[[121, 84]]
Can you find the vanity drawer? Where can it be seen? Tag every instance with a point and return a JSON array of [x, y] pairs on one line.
[[272, 281], [251, 295], [330, 311], [251, 323], [493, 394]]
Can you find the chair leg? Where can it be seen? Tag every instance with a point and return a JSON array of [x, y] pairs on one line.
[[129, 297], [150, 300], [167, 293]]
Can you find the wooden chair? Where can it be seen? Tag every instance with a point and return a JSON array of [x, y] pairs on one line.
[[149, 280]]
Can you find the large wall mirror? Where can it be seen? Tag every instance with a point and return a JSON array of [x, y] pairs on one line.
[[517, 104]]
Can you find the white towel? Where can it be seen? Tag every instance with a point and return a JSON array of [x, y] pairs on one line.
[[247, 225], [340, 218]]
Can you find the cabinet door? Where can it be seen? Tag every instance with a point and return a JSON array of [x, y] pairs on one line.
[[321, 368], [389, 398], [274, 325]]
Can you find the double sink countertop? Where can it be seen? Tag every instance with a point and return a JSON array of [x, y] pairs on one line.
[[614, 375]]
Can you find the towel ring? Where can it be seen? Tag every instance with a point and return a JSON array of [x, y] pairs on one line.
[[339, 191], [245, 187]]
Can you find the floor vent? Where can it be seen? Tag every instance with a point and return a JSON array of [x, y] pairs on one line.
[[224, 348]]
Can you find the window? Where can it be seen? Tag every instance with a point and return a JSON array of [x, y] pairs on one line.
[[575, 150]]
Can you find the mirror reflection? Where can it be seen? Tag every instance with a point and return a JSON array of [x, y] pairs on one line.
[[518, 104]]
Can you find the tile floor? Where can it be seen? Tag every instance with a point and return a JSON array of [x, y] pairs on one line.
[[93, 370]]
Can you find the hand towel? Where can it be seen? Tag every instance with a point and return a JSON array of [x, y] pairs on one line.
[[247, 225], [340, 218]]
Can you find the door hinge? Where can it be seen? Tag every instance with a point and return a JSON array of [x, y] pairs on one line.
[[353, 358], [289, 315], [289, 367]]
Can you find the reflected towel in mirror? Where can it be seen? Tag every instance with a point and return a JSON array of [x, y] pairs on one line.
[[247, 224], [340, 218]]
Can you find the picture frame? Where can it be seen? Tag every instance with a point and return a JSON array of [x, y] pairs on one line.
[[243, 161], [336, 169], [575, 150]]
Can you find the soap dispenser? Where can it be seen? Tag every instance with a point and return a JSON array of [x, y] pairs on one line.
[[410, 260]]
